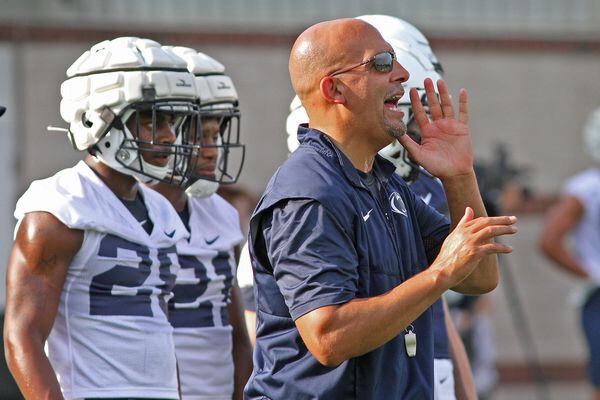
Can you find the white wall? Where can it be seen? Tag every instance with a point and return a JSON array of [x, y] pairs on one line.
[[8, 135]]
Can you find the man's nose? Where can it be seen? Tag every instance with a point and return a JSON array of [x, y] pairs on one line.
[[209, 150], [165, 134], [399, 72]]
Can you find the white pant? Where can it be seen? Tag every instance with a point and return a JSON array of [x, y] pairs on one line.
[[443, 378]]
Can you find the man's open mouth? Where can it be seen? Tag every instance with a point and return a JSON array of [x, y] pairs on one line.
[[391, 102]]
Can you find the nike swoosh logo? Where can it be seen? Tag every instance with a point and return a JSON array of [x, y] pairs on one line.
[[366, 217], [427, 198], [171, 234], [444, 379], [209, 242]]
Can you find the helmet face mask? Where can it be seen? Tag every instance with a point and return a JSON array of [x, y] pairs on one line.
[[219, 155], [397, 155], [163, 136], [153, 141]]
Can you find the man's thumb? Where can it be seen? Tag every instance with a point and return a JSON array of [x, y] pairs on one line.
[[469, 213]]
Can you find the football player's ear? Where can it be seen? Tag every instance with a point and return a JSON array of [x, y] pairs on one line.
[[331, 89]]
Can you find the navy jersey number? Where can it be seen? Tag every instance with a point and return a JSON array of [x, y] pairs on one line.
[[187, 309], [105, 298], [222, 267]]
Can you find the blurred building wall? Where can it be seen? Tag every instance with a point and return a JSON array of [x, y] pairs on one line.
[[557, 18], [9, 135]]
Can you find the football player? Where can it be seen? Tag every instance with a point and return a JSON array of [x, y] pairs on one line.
[[213, 350], [576, 216], [94, 257]]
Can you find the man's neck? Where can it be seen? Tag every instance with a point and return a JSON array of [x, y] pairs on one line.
[[123, 186], [354, 147], [175, 194]]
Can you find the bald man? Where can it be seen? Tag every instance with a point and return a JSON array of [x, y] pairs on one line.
[[347, 261]]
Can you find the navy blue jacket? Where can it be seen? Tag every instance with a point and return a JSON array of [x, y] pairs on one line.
[[318, 237]]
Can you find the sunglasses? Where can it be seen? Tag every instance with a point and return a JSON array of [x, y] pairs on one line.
[[381, 62]]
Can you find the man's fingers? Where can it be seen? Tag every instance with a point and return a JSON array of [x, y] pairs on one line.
[[495, 248], [432, 101], [463, 110], [490, 232], [418, 111], [447, 108], [482, 222]]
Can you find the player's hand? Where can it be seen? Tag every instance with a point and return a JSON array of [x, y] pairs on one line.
[[468, 243], [445, 148]]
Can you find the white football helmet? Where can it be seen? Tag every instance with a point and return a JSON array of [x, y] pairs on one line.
[[297, 116], [218, 100], [400, 33], [591, 135], [125, 78]]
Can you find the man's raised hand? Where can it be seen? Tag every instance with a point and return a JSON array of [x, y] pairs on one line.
[[445, 148]]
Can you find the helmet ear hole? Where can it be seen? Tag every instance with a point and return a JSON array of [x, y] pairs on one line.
[[86, 121]]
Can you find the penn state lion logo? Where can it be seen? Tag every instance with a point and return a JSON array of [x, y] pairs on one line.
[[397, 204]]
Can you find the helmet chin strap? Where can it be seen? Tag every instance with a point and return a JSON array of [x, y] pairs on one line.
[[157, 173], [202, 188]]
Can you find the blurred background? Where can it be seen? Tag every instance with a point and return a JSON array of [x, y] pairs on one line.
[[532, 68]]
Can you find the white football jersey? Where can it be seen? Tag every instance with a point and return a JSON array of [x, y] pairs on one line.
[[111, 336], [586, 187], [198, 309]]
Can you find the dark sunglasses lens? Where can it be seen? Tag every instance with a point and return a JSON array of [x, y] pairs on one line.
[[383, 62]]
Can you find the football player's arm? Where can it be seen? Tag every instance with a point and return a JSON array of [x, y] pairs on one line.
[[560, 220], [242, 350], [36, 272], [464, 386], [250, 317]]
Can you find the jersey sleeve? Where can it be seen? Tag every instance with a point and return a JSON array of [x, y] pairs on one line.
[[314, 260], [579, 187]]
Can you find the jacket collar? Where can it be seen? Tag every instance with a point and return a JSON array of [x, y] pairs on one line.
[[319, 141]]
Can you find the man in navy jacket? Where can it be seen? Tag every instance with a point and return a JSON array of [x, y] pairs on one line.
[[347, 260]]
